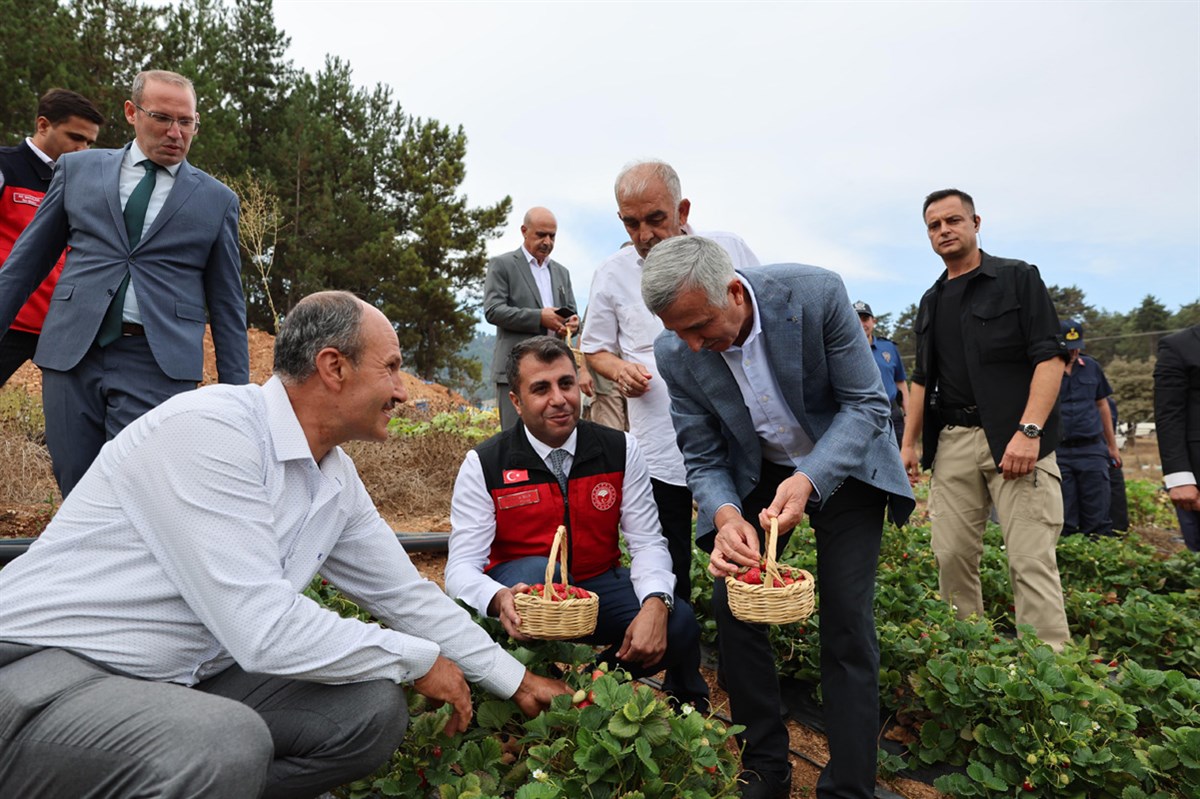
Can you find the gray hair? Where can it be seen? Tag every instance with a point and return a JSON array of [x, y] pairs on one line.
[[546, 349], [325, 319], [162, 76], [635, 178], [686, 263]]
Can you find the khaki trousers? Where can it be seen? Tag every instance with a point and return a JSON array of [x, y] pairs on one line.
[[608, 410], [964, 486]]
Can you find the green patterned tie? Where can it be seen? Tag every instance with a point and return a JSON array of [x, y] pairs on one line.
[[135, 220]]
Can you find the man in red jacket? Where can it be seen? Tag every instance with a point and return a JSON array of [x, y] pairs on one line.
[[66, 122], [516, 488]]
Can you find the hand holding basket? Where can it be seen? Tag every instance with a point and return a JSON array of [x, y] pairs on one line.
[[780, 596], [558, 614]]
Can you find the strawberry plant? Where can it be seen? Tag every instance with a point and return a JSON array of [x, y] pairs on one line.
[[612, 738]]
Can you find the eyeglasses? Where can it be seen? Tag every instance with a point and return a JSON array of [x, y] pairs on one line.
[[185, 123]]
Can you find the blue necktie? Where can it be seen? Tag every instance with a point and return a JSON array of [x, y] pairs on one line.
[[135, 220]]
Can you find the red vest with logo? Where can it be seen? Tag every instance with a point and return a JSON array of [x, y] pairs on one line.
[[530, 506], [26, 179]]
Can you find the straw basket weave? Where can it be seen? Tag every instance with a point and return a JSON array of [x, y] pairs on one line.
[[558, 620], [765, 604], [580, 361]]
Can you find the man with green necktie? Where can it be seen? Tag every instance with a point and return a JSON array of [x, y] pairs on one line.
[[153, 257]]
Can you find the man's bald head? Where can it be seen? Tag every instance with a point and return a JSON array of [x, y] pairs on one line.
[[539, 231]]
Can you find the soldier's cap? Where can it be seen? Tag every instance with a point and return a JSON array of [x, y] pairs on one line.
[[863, 309], [1072, 333]]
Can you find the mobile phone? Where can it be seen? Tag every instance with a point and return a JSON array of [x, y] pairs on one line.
[[566, 312]]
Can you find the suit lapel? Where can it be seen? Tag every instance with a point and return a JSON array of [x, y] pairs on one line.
[[111, 180], [186, 181], [710, 369], [782, 321], [526, 273]]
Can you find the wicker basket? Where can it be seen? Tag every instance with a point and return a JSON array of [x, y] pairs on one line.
[[580, 360], [764, 604], [557, 620]]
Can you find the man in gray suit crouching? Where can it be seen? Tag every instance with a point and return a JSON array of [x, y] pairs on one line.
[[153, 256], [779, 411]]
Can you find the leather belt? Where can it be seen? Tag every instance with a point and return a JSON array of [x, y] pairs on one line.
[[130, 329], [1078, 442], [961, 417]]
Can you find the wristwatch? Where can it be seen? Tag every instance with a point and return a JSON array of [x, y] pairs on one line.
[[666, 598], [1030, 429]]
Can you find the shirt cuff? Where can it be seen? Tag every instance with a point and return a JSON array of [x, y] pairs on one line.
[[816, 492], [1177, 479], [505, 678]]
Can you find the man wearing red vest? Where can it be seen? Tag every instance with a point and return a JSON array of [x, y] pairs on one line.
[[66, 122], [551, 469]]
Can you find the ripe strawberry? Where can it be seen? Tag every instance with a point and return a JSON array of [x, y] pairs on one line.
[[597, 674], [752, 576]]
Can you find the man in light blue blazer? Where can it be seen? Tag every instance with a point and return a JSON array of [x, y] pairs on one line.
[[779, 412], [153, 252], [522, 295]]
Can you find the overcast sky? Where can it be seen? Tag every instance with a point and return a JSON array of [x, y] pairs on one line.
[[814, 130]]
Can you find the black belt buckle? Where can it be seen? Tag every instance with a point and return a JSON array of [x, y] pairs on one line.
[[130, 329]]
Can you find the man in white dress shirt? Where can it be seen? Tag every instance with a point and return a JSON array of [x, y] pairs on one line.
[[516, 488], [619, 343], [179, 561]]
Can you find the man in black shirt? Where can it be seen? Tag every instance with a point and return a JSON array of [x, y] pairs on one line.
[[989, 365]]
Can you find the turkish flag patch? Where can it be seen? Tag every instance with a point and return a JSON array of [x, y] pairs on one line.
[[516, 476]]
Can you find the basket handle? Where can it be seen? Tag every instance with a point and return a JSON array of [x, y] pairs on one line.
[[559, 552], [772, 568]]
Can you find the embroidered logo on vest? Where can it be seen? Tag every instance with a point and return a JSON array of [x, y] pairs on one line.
[[516, 476], [604, 496], [26, 199]]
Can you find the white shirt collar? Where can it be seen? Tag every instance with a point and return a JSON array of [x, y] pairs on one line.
[[534, 261], [45, 158], [755, 325], [136, 156], [543, 450], [287, 436]]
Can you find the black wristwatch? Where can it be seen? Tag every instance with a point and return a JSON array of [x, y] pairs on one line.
[[666, 598], [1030, 429]]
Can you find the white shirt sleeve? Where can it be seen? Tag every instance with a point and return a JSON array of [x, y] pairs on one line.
[[600, 332], [472, 530], [1176, 479], [370, 566], [195, 496], [650, 560]]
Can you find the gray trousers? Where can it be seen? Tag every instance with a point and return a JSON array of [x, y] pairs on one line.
[[71, 729], [504, 404], [105, 392]]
